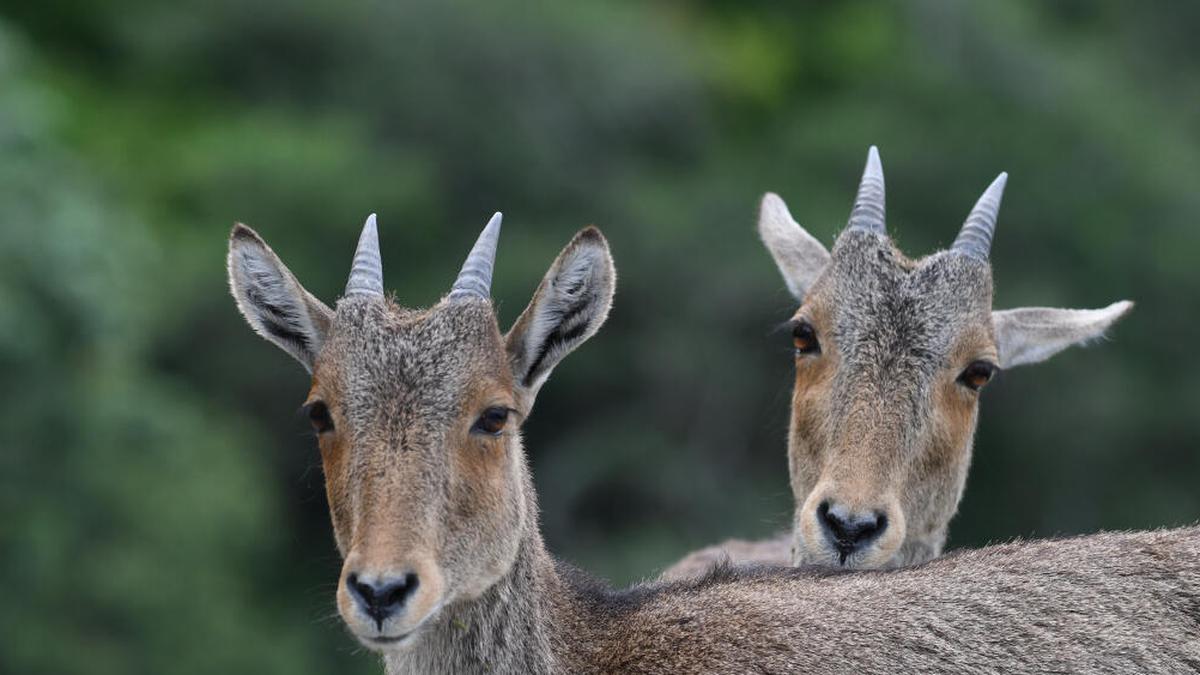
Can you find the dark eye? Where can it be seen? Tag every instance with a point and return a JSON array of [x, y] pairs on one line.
[[977, 374], [491, 422], [804, 337], [318, 415]]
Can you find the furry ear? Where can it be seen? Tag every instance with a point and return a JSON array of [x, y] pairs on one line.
[[798, 254], [1033, 334], [568, 308], [275, 305]]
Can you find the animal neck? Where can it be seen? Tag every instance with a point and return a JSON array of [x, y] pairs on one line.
[[509, 628]]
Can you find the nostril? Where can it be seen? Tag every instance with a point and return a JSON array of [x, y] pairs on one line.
[[880, 524], [357, 590], [823, 509], [364, 593], [830, 522], [398, 592]]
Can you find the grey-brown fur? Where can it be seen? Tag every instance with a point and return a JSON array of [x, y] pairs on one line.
[[413, 488], [1109, 603], [881, 423]]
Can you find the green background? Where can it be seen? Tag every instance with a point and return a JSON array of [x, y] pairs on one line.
[[161, 504]]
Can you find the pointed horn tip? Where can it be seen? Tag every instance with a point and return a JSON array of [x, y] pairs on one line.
[[994, 192], [874, 164], [366, 272], [872, 172]]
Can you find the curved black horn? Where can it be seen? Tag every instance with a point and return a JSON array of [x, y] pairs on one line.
[[366, 274], [975, 237], [868, 212], [475, 279]]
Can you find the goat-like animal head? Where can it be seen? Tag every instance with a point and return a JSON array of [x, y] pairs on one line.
[[890, 356], [418, 414]]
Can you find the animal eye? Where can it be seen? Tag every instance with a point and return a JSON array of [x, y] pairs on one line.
[[318, 415], [491, 422], [804, 337], [977, 374]]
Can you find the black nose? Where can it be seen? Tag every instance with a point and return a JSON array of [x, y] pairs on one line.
[[382, 597], [850, 532]]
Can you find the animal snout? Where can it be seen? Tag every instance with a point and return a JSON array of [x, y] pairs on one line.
[[381, 597], [849, 531]]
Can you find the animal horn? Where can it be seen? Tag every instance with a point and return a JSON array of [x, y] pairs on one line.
[[475, 279], [868, 204], [366, 274], [975, 238]]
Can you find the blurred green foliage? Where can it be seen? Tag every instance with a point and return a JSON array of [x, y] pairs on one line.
[[161, 505]]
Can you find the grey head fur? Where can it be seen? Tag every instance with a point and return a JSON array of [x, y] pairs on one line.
[[366, 273], [475, 278]]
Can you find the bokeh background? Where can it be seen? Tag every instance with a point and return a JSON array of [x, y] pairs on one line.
[[161, 503]]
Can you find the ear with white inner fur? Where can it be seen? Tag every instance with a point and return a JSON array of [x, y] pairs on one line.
[[275, 305], [1033, 334], [798, 254], [568, 308]]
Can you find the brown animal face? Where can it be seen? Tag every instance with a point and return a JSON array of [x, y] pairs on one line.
[[890, 356], [417, 415], [890, 359], [420, 454]]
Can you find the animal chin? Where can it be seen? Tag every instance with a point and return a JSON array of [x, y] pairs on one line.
[[828, 555], [378, 641], [382, 643], [391, 639]]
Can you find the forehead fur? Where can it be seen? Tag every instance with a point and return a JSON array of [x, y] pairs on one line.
[[388, 360], [889, 310]]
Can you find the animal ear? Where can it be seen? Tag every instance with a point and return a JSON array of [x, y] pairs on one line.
[[275, 305], [798, 254], [568, 308], [1033, 334]]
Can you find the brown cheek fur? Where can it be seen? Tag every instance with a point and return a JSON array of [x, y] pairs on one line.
[[333, 464], [479, 460], [954, 406], [953, 419], [478, 473], [481, 493], [810, 396], [809, 412], [943, 466]]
